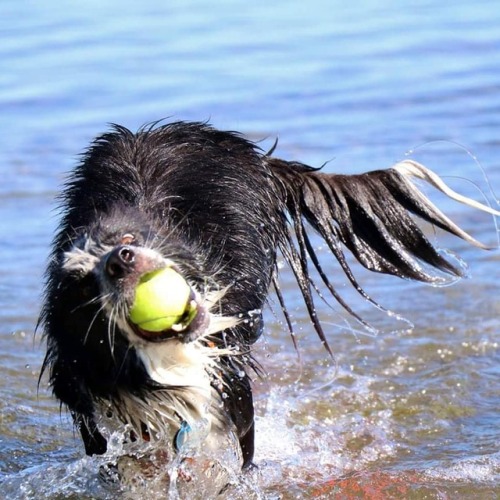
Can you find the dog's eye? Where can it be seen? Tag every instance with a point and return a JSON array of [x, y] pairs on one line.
[[127, 239]]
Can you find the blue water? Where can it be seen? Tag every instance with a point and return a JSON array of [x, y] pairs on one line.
[[356, 85]]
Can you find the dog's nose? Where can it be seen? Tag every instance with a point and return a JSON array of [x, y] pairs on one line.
[[120, 261]]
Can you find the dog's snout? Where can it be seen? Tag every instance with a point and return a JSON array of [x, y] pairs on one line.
[[120, 261]]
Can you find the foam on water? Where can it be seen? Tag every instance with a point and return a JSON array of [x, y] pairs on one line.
[[484, 469]]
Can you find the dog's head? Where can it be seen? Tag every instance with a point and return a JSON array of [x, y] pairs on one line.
[[112, 257], [104, 265]]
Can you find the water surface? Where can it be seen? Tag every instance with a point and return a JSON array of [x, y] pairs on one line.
[[407, 414]]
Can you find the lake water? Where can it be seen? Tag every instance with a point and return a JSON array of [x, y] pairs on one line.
[[360, 86]]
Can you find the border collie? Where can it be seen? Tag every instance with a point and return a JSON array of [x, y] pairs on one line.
[[216, 209]]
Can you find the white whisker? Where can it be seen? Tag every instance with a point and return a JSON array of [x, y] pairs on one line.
[[111, 329], [91, 301]]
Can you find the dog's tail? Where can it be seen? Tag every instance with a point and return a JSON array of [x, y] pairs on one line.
[[370, 214]]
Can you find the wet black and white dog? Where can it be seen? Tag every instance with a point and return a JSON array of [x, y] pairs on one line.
[[213, 207]]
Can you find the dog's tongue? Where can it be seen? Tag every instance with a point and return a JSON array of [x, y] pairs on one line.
[[163, 301]]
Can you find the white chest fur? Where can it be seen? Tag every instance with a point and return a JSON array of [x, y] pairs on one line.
[[177, 364]]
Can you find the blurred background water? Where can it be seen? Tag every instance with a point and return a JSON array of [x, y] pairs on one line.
[[358, 85]]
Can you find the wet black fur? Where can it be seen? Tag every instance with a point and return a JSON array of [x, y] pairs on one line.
[[222, 209]]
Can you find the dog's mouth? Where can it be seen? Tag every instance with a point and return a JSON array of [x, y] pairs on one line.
[[184, 331], [165, 307]]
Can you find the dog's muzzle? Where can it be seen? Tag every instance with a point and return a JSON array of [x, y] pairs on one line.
[[135, 274]]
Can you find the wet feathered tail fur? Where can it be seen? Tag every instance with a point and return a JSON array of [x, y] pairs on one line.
[[371, 215]]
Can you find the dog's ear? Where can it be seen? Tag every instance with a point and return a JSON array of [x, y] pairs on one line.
[[370, 214]]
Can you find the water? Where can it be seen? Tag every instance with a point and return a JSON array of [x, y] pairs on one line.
[[409, 415]]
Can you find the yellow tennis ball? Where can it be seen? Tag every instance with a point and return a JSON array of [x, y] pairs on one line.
[[161, 299]]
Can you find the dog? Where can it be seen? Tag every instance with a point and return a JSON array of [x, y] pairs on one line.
[[217, 210]]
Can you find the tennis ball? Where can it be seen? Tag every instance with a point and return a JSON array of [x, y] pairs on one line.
[[162, 298]]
